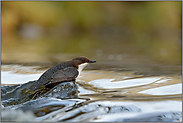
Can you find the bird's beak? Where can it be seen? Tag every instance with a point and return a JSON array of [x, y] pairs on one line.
[[92, 61]]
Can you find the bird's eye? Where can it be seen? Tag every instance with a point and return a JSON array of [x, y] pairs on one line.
[[83, 60]]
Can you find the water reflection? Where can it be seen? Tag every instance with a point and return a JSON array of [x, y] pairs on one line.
[[110, 83]]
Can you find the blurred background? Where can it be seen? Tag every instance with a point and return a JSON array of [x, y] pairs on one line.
[[122, 35]]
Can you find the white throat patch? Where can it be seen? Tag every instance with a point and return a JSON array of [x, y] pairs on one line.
[[81, 66]]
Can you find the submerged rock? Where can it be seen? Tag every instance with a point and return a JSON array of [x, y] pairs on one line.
[[19, 94], [6, 89], [89, 112], [20, 104], [154, 117], [44, 105]]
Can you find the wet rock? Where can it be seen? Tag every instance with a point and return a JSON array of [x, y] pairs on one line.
[[89, 112], [78, 114], [16, 95], [128, 108], [20, 94], [155, 117], [15, 91], [140, 117], [6, 89], [44, 105], [67, 90]]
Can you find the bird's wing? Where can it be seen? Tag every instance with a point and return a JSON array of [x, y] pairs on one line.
[[66, 74]]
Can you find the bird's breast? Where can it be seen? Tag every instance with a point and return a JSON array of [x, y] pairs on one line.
[[81, 66]]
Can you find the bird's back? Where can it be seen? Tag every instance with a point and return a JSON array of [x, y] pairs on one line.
[[47, 75]]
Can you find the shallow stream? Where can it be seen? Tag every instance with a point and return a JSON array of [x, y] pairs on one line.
[[102, 96]]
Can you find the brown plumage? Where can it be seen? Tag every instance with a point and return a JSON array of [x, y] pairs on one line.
[[64, 72]]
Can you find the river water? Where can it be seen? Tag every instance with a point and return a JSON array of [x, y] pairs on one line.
[[104, 96]]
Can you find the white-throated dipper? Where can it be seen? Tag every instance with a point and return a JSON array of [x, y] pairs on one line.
[[64, 72]]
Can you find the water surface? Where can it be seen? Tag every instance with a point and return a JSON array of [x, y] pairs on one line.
[[106, 95]]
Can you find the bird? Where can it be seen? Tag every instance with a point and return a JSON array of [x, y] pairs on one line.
[[64, 72]]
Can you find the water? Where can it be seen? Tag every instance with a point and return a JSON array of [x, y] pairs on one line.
[[104, 95]]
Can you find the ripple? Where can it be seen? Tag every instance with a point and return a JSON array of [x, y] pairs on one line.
[[108, 84], [165, 90]]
